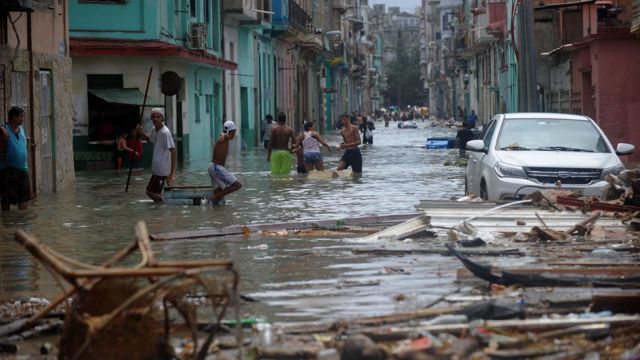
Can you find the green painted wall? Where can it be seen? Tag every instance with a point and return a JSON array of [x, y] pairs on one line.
[[247, 79], [204, 111]]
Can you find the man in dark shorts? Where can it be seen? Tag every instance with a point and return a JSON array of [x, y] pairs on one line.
[[351, 139], [163, 165], [14, 175], [463, 136]]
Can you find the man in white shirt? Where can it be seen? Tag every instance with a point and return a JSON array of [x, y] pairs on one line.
[[163, 165]]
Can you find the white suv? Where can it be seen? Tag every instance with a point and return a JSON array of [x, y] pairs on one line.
[[519, 153]]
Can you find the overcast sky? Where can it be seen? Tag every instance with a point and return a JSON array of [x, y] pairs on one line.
[[405, 5]]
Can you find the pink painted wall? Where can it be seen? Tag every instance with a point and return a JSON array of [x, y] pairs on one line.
[[49, 29], [616, 81]]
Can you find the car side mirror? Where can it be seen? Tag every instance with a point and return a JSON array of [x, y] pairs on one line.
[[476, 145], [625, 149]]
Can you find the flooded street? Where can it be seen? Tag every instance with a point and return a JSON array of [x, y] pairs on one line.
[[294, 278]]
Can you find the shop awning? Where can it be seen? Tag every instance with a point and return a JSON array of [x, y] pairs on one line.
[[130, 96]]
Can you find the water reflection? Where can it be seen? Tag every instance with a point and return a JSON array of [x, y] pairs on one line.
[[95, 219]]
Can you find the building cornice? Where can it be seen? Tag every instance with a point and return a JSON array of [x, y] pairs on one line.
[[151, 48]]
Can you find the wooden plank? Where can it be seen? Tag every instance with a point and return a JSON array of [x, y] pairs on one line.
[[616, 303], [439, 251], [464, 274], [592, 263], [240, 229]]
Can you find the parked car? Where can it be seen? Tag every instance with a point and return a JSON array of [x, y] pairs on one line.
[[519, 153]]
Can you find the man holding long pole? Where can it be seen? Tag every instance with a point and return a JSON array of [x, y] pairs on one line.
[[163, 165]]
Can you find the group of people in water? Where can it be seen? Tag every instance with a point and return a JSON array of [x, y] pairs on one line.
[[282, 141], [279, 139]]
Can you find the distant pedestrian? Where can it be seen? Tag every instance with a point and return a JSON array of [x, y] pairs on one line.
[[266, 131], [222, 180], [309, 143], [351, 139], [472, 119], [123, 150], [281, 143], [163, 165], [133, 142], [15, 187], [463, 136], [299, 152]]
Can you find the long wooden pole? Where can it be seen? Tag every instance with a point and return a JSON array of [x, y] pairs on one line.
[[135, 146]]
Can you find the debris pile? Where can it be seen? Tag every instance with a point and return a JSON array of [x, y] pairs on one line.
[[130, 312]]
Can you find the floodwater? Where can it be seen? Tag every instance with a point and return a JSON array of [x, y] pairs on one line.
[[293, 278]]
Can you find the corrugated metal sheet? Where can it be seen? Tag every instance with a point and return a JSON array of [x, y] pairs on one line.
[[635, 17], [448, 214]]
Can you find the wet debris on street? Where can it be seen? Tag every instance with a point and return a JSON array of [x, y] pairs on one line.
[[554, 276]]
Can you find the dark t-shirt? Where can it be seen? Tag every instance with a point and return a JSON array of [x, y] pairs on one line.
[[464, 135]]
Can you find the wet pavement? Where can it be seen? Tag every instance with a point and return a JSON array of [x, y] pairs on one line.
[[295, 278]]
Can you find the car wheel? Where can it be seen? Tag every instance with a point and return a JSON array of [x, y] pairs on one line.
[[484, 195]]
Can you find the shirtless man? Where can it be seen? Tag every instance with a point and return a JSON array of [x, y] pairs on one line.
[[351, 136], [281, 142], [223, 181]]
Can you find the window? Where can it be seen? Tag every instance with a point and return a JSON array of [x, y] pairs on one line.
[[104, 81], [107, 120], [207, 16], [3, 28], [20, 93], [197, 107], [208, 101], [192, 8], [120, 2]]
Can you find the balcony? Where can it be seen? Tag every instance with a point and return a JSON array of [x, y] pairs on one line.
[[480, 35], [298, 18], [339, 5], [242, 10], [280, 19], [497, 19]]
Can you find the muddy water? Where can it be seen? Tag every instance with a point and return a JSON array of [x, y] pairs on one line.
[[294, 278]]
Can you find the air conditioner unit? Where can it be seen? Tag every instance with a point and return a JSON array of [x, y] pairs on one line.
[[16, 5], [198, 36]]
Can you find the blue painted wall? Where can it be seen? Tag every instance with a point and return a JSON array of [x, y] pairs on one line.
[[247, 80]]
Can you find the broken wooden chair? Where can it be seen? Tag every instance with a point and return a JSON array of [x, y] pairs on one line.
[[115, 310]]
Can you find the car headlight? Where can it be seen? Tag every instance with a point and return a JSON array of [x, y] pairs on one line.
[[504, 170], [612, 171]]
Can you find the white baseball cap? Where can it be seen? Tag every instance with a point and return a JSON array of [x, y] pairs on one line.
[[229, 126]]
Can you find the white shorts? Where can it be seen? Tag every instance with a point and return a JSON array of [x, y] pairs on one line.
[[220, 177]]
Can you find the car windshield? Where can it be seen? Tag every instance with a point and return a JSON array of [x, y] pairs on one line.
[[550, 135]]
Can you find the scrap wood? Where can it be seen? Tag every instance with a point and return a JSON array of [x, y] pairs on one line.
[[465, 274], [498, 276], [468, 252], [291, 351], [592, 218], [616, 303], [545, 234], [590, 204], [375, 221], [541, 324], [177, 274]]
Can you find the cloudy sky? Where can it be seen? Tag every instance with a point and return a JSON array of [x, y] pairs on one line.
[[406, 5]]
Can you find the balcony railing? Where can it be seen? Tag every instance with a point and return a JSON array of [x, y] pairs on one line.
[[298, 18]]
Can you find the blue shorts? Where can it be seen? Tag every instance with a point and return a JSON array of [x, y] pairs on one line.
[[353, 158], [312, 158]]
